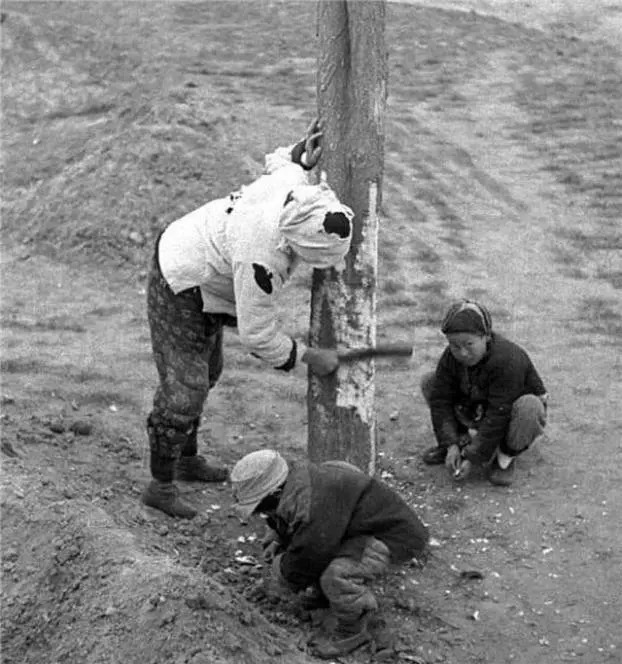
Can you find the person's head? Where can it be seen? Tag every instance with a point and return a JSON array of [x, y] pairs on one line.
[[316, 226], [255, 477], [468, 327]]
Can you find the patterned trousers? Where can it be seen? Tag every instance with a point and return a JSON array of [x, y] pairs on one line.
[[346, 580], [187, 349]]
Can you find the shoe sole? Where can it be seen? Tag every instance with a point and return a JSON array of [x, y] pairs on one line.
[[175, 515], [348, 646]]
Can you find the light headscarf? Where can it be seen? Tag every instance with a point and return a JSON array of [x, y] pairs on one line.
[[316, 225]]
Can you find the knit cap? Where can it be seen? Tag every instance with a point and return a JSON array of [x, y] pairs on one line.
[[316, 225], [256, 476], [467, 316]]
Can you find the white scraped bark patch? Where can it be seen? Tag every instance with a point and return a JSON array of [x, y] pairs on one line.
[[357, 389]]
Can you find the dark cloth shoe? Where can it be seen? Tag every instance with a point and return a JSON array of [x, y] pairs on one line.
[[196, 469], [435, 456], [164, 496], [501, 476], [383, 639], [347, 636]]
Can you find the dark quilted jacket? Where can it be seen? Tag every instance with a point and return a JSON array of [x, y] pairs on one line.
[[505, 373], [327, 509]]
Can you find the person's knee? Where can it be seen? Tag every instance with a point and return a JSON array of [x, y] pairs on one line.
[[183, 391], [376, 558], [334, 576], [529, 408], [334, 580], [527, 422], [167, 436], [345, 585], [182, 409], [164, 423], [372, 559], [427, 384]]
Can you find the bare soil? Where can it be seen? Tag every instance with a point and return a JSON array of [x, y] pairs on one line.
[[503, 182]]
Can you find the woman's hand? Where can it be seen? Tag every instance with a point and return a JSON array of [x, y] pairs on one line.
[[322, 361], [271, 545], [463, 471], [452, 460], [313, 138]]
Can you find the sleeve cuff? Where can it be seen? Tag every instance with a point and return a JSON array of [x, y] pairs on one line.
[[295, 357], [301, 350], [291, 360], [277, 575], [299, 155]]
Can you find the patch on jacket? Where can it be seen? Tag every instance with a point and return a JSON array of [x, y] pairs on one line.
[[337, 222], [234, 196], [263, 278]]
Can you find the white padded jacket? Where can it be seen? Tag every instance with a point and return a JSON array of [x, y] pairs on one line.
[[236, 250]]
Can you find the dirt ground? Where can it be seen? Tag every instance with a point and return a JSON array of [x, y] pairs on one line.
[[503, 181]]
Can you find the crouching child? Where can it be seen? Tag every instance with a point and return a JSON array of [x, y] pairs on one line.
[[334, 530], [483, 385]]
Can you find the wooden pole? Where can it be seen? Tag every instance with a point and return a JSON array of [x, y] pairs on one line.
[[352, 91]]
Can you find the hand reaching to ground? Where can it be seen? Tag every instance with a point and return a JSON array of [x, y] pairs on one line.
[[271, 545], [463, 471]]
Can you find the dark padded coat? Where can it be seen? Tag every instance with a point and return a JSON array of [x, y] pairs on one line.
[[329, 510], [504, 374]]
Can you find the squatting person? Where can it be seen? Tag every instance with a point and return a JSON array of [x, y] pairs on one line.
[[333, 530], [225, 264], [486, 385]]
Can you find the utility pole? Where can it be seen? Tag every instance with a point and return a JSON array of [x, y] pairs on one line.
[[352, 91]]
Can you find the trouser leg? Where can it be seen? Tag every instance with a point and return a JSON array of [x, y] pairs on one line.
[[191, 445], [161, 493], [527, 422], [187, 349], [165, 445], [187, 371], [346, 581], [186, 376], [215, 366]]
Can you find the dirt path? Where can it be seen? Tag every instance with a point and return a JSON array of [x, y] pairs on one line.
[[597, 20]]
